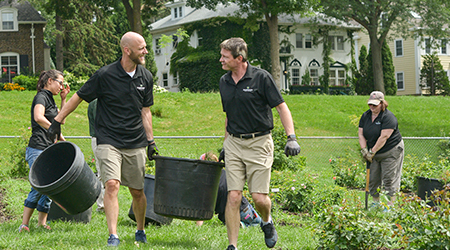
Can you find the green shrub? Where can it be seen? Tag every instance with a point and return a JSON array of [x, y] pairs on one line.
[[349, 170], [18, 166], [420, 226], [28, 82], [293, 190], [280, 160], [347, 226], [413, 167], [74, 82]]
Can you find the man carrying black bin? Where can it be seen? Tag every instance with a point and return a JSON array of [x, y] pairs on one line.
[[123, 126], [248, 96]]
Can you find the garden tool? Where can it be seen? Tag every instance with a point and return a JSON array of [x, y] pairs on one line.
[[367, 181]]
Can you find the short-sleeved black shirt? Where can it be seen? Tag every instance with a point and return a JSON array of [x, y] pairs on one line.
[[372, 130], [118, 120], [39, 138], [248, 104]]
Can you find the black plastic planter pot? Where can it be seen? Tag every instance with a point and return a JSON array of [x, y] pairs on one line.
[[56, 213], [426, 186], [61, 173], [150, 215], [186, 188]]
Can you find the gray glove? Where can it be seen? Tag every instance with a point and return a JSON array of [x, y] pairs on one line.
[[292, 148], [370, 155], [364, 152]]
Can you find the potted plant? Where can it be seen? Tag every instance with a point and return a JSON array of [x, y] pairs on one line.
[[433, 176]]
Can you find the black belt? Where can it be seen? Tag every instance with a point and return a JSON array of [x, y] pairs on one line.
[[252, 135]]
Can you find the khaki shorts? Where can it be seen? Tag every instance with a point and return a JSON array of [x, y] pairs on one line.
[[251, 160], [124, 165]]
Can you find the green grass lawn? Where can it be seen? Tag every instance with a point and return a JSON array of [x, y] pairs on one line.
[[192, 114]]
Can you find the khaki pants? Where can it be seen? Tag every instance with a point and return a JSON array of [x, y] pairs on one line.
[[386, 170]]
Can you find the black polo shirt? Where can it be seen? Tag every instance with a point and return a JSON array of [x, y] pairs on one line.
[[248, 104], [39, 138], [372, 130], [118, 120]]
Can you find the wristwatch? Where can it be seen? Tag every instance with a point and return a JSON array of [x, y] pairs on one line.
[[292, 136]]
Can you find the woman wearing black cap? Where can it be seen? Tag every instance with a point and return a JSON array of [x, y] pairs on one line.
[[381, 145]]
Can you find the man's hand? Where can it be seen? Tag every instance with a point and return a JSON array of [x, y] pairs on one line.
[[222, 155], [292, 148], [152, 149], [54, 131]]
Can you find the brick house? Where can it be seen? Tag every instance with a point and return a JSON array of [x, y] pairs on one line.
[[22, 46]]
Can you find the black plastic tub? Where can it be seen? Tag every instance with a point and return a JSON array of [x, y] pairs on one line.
[[426, 186], [150, 215], [61, 173], [186, 188]]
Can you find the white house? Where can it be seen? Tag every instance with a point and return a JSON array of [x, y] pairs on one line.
[[302, 55]]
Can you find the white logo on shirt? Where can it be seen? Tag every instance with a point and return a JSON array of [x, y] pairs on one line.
[[141, 87], [377, 123]]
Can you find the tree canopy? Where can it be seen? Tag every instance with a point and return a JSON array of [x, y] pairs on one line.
[[256, 10], [383, 18]]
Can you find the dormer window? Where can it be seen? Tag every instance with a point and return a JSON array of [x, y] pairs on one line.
[[8, 20], [177, 12]]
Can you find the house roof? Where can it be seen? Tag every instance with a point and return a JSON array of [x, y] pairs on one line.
[[194, 15], [25, 12]]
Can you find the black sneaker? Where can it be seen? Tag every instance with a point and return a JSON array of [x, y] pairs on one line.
[[140, 236], [231, 247], [113, 241], [270, 234]]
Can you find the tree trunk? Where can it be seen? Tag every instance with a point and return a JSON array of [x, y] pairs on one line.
[[272, 23], [377, 64], [59, 43], [134, 15]]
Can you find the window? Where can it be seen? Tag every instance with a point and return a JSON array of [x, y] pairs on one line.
[[336, 42], [174, 41], [180, 10], [295, 76], [400, 81], [427, 45], [398, 47], [175, 12], [8, 20], [200, 41], [444, 46], [314, 74], [9, 64], [165, 80], [175, 78], [337, 77], [299, 40], [308, 41], [157, 46]]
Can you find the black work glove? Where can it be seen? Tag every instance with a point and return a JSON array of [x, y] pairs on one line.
[[54, 131], [292, 148], [222, 155], [152, 149]]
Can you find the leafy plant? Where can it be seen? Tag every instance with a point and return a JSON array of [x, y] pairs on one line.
[[280, 160], [293, 190], [28, 82], [346, 226], [348, 170], [420, 226], [413, 167], [16, 150]]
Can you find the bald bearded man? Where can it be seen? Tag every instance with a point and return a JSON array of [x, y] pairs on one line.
[[124, 93]]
